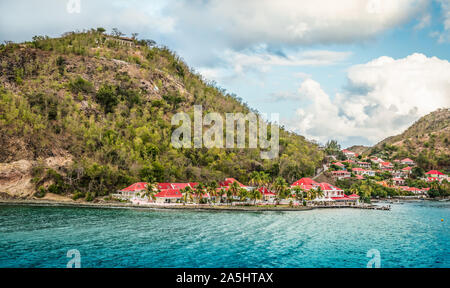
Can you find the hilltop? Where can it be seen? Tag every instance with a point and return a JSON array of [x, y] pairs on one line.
[[426, 141], [88, 113]]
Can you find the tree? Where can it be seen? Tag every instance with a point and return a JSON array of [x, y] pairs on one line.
[[116, 32], [254, 195], [417, 172], [229, 195], [101, 30], [107, 97], [187, 194], [151, 189], [281, 189], [134, 36], [212, 190], [332, 147], [222, 192], [243, 194], [199, 191], [234, 189], [319, 192], [299, 193]]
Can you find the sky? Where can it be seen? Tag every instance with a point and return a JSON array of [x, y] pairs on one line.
[[356, 71]]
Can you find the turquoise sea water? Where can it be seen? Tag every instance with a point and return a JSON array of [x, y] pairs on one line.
[[410, 235]]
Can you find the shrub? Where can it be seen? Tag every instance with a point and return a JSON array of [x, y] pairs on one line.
[[40, 193], [89, 197], [107, 97], [77, 195], [81, 85]]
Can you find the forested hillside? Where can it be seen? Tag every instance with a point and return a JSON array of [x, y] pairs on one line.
[[107, 104]]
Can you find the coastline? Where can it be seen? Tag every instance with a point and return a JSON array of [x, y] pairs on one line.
[[33, 202], [108, 205]]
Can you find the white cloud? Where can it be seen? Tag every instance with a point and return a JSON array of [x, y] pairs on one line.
[[237, 64], [424, 22], [444, 36], [383, 98], [294, 22]]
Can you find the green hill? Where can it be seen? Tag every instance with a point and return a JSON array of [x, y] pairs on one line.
[[426, 141], [107, 105]]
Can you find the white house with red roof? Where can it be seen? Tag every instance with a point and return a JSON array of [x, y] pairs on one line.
[[386, 165], [364, 165], [398, 181], [330, 192], [169, 196], [349, 154], [435, 175], [342, 174], [362, 172], [267, 195], [376, 160], [339, 165], [229, 181], [408, 161], [132, 191]]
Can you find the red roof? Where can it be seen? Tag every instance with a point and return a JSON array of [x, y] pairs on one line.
[[407, 160], [229, 181], [358, 169], [359, 177], [266, 191], [345, 197], [169, 193], [354, 196], [407, 168], [386, 163], [340, 172], [304, 181], [398, 179], [339, 164], [434, 172], [162, 186], [136, 187]]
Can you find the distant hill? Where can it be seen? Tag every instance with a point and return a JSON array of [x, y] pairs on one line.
[[106, 103], [359, 149], [426, 141]]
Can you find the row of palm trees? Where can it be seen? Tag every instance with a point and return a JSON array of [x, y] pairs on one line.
[[259, 180]]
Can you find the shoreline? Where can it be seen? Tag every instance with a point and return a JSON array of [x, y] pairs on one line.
[[46, 203]]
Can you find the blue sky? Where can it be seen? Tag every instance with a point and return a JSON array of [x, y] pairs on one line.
[[352, 70]]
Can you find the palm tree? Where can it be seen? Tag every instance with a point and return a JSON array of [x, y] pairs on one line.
[[281, 189], [151, 189], [255, 194], [234, 189], [319, 192], [229, 195], [199, 191], [222, 192], [255, 179], [242, 193], [259, 179], [187, 194], [298, 193], [212, 190]]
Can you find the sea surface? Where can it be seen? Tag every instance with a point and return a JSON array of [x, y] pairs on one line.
[[410, 235]]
